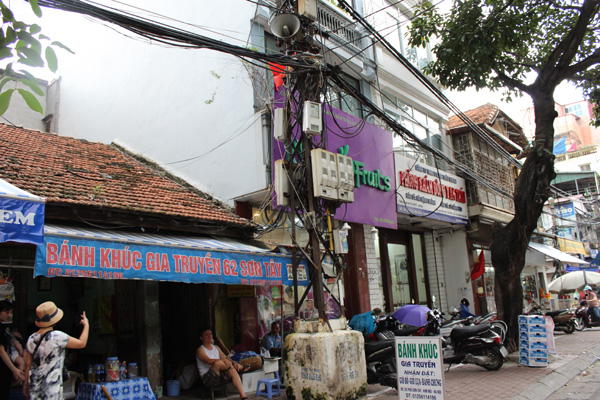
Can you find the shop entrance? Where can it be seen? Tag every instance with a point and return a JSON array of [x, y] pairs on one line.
[[403, 269]]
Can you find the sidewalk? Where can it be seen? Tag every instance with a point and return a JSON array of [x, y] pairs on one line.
[[575, 353]]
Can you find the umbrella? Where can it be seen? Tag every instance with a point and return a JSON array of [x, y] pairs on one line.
[[573, 281], [412, 314]]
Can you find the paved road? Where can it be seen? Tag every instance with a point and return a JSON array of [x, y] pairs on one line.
[[584, 386]]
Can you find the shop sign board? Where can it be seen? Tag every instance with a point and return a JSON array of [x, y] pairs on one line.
[[424, 191], [371, 150], [565, 210], [86, 258], [21, 215], [419, 361]]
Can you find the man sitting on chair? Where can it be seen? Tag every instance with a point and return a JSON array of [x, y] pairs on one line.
[[216, 368], [272, 340]]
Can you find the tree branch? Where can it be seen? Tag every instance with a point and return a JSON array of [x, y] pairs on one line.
[[511, 82], [583, 65]]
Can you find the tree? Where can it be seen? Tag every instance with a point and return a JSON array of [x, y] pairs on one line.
[[519, 46], [24, 44]]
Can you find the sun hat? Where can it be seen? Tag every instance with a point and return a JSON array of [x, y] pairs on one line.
[[47, 314], [587, 287]]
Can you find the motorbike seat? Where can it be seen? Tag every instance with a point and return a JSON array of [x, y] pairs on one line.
[[459, 333], [371, 347], [555, 313], [407, 330]]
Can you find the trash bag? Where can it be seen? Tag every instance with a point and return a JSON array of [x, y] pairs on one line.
[[363, 323], [188, 377]]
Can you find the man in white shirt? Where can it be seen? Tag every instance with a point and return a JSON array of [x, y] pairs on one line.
[[216, 368]]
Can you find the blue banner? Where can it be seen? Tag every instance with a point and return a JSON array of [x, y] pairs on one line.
[[21, 220], [86, 258]]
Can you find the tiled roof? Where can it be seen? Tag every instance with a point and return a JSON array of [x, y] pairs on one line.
[[484, 114], [72, 171]]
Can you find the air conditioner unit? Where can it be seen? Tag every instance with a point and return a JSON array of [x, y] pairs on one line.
[[324, 174], [282, 184], [312, 121]]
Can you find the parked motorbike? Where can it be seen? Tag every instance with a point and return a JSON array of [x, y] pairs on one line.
[[564, 320], [582, 319], [477, 344]]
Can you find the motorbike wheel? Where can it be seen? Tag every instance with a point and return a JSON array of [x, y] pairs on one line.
[[579, 324], [570, 328], [497, 359]]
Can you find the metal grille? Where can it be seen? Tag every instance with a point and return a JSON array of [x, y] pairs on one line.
[[336, 24]]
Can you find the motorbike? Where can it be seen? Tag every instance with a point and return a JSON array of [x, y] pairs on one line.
[[582, 319], [481, 345], [564, 320]]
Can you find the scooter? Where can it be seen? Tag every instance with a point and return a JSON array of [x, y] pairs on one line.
[[564, 320], [582, 319], [481, 344]]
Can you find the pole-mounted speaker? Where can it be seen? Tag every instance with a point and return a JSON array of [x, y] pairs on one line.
[[285, 26]]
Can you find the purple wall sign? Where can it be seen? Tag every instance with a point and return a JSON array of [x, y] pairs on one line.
[[371, 150]]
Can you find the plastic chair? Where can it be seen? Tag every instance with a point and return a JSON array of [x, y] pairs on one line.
[[269, 391]]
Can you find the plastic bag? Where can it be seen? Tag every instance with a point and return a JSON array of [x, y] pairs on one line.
[[188, 377]]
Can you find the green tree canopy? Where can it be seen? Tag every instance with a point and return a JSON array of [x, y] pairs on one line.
[[23, 44], [519, 46]]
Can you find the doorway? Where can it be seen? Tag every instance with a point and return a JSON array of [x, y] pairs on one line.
[[403, 269]]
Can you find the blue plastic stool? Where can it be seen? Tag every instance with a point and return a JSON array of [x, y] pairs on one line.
[[269, 391]]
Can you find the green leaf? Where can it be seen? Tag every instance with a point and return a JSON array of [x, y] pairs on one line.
[[5, 100], [5, 52], [42, 36], [10, 36], [51, 59], [29, 75], [33, 86], [5, 81], [8, 69], [31, 101], [7, 15], [62, 46], [35, 28], [29, 56], [35, 7]]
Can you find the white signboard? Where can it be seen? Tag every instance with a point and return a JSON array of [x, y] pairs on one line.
[[420, 368], [425, 191]]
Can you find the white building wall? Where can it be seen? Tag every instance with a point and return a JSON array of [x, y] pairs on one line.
[[457, 275]]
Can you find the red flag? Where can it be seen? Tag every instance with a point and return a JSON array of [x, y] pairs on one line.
[[479, 267], [278, 74]]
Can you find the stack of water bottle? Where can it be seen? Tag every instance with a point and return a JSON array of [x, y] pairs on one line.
[[533, 341], [111, 371]]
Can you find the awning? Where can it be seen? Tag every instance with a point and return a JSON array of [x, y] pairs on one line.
[[555, 253], [93, 253], [21, 215]]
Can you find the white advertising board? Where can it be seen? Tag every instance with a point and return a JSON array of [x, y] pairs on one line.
[[424, 191], [419, 361]]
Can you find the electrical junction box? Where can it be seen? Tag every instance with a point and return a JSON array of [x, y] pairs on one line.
[[340, 241], [312, 121], [324, 174], [345, 168], [282, 184], [279, 123], [308, 9]]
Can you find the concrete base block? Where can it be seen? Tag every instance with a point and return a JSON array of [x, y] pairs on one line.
[[325, 365]]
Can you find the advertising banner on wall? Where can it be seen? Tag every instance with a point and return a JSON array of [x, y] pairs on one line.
[[165, 259], [371, 149], [424, 191]]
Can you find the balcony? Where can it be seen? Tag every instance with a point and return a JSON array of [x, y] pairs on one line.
[[338, 24]]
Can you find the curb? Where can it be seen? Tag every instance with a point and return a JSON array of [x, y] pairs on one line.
[[559, 377]]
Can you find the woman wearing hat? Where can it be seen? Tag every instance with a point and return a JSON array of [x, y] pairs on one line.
[[46, 353]]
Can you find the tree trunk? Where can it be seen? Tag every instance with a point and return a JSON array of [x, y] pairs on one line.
[[510, 242]]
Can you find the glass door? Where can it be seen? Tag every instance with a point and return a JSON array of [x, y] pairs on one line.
[[398, 258]]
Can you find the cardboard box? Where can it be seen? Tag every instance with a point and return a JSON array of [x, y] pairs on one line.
[[528, 353], [534, 362], [533, 345], [531, 319], [533, 336]]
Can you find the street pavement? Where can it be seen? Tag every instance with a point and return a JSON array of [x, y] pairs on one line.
[[575, 354]]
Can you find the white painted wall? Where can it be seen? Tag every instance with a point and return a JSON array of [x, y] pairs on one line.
[[435, 269], [456, 268], [167, 103]]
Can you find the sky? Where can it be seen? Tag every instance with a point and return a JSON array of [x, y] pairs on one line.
[[565, 93]]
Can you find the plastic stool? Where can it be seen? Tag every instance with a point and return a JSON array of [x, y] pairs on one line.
[[269, 392]]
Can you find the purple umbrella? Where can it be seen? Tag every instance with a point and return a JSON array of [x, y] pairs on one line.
[[412, 314]]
